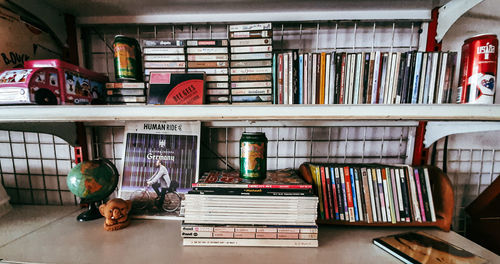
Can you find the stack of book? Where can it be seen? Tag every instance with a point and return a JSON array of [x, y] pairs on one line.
[[223, 210], [365, 78], [211, 57], [373, 193], [163, 56], [251, 63], [128, 93]]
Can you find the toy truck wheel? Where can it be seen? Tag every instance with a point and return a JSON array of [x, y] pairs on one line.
[[44, 97]]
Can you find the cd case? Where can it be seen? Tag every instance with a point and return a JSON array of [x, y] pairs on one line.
[[170, 88]]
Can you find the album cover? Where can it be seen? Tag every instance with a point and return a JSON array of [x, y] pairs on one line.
[[160, 164]]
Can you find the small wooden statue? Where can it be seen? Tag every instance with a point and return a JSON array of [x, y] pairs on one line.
[[116, 213]]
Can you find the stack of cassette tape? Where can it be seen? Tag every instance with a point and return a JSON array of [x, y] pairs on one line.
[[212, 57], [251, 63], [163, 56], [126, 93]]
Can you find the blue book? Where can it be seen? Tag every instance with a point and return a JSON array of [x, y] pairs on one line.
[[416, 78], [275, 80], [301, 79], [354, 200]]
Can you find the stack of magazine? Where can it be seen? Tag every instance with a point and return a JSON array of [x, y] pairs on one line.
[[224, 210]]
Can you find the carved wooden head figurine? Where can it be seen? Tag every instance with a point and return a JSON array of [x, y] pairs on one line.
[[116, 213]]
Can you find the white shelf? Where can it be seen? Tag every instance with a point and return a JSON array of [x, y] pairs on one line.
[[89, 113]]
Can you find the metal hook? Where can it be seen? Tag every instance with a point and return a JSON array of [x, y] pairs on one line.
[[155, 31], [210, 28], [393, 28], [191, 31], [411, 36], [354, 36], [300, 36], [317, 37], [336, 34], [373, 36], [173, 32], [282, 33]]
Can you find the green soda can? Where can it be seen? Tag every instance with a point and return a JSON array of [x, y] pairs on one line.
[[127, 56], [253, 156]]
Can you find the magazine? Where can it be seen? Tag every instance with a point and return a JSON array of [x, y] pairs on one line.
[[160, 163]]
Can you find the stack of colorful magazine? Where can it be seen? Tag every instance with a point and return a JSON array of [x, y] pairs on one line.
[[224, 210]]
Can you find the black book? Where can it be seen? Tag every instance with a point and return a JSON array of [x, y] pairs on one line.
[[402, 67], [425, 197], [405, 193], [366, 74], [411, 76], [338, 72], [340, 194], [406, 77]]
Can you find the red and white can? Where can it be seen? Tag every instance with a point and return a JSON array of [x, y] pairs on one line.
[[478, 70]]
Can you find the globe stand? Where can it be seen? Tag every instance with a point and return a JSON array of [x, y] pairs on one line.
[[91, 214]]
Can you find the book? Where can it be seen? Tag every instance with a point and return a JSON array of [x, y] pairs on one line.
[[165, 152], [420, 247], [249, 242], [167, 88]]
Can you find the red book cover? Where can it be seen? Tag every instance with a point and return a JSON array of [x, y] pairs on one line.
[[169, 88], [325, 196], [350, 203], [419, 195]]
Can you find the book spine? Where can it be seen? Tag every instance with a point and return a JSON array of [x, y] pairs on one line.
[[333, 75], [429, 194], [322, 67], [423, 79], [342, 78], [314, 80], [306, 79], [400, 207], [340, 198], [383, 79], [334, 192], [326, 192], [391, 195], [371, 76], [395, 194], [344, 194], [317, 182], [372, 209], [419, 194], [387, 192], [349, 195], [367, 194], [301, 79], [291, 76], [380, 183], [376, 78], [249, 242], [416, 78], [359, 194], [354, 194], [406, 194], [357, 79], [376, 196], [414, 199], [427, 212], [328, 59]]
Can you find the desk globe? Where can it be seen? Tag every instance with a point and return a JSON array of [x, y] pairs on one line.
[[92, 181]]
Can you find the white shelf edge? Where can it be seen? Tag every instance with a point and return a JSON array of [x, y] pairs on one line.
[[407, 14], [88, 113]]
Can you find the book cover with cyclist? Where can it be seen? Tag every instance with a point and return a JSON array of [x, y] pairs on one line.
[[160, 163]]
